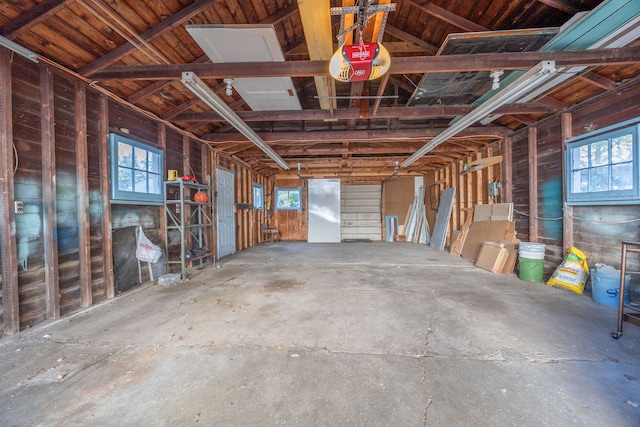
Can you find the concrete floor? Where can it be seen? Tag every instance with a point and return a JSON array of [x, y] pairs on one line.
[[329, 334]]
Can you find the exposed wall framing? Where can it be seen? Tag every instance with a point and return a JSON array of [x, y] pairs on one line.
[[471, 186]]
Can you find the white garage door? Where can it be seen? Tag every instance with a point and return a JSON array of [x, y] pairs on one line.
[[360, 212]]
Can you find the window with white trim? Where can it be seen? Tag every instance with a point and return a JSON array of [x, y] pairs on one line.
[[136, 171], [602, 167], [258, 196], [289, 199]]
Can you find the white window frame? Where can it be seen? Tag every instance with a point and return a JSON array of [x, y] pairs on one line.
[[150, 194], [277, 192], [258, 196], [578, 168]]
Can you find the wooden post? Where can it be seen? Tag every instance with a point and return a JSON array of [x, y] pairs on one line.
[[533, 184], [567, 218], [455, 212], [489, 175], [479, 183], [253, 223], [507, 188], [8, 247], [461, 194], [214, 183], [186, 167], [82, 193], [162, 145], [470, 193], [49, 220], [105, 191], [205, 166]]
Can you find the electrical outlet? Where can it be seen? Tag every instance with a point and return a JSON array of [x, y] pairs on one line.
[[19, 207]]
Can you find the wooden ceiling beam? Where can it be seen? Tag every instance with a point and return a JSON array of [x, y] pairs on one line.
[[195, 100], [523, 119], [159, 85], [564, 5], [402, 84], [598, 80], [357, 135], [282, 14], [553, 103], [315, 16], [167, 25], [32, 17], [404, 36], [450, 17], [403, 65], [381, 89], [354, 150], [299, 47], [417, 112]]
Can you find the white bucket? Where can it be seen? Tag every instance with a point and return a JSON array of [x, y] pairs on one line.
[[530, 250], [531, 247], [530, 255]]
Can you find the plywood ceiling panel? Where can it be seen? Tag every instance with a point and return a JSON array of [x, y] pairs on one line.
[[249, 43]]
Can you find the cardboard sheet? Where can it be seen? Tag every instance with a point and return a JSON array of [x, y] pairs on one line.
[[492, 257], [486, 231], [498, 257]]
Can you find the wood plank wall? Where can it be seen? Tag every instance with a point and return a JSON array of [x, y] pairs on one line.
[[61, 254], [597, 230]]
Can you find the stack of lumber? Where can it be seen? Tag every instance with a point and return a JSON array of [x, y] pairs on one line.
[[416, 227]]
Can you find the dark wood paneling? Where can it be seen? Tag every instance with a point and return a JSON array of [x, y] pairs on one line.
[[49, 200], [8, 263], [138, 127], [598, 230], [32, 282]]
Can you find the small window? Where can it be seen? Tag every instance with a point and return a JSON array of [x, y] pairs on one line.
[[258, 196], [289, 199], [603, 167], [136, 171]]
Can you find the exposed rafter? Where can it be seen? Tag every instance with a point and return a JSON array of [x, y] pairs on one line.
[[422, 64]]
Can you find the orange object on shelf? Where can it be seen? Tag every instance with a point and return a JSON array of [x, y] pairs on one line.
[[201, 197]]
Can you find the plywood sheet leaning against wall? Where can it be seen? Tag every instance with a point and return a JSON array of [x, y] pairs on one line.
[[439, 237]]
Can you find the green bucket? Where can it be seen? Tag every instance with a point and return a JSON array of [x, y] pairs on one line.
[[531, 270]]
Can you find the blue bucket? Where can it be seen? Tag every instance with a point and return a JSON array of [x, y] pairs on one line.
[[605, 288]]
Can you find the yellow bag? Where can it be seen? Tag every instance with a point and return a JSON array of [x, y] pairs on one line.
[[572, 272]]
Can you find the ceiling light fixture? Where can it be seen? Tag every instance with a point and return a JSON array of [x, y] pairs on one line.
[[229, 83], [204, 92], [495, 75], [21, 50], [529, 81]]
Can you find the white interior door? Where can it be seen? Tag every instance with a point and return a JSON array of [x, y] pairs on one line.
[[226, 219], [324, 210]]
